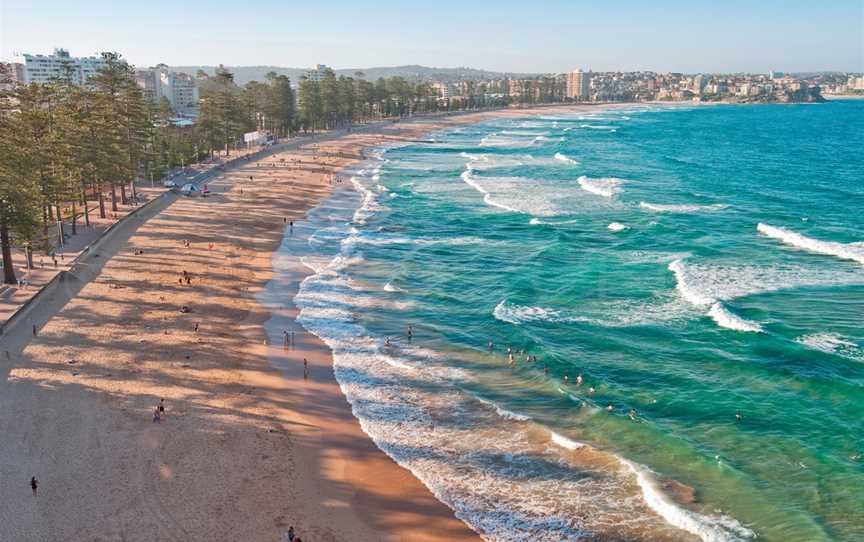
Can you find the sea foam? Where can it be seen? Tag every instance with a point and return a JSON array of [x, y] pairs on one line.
[[566, 159], [851, 251], [607, 187], [664, 208], [708, 528]]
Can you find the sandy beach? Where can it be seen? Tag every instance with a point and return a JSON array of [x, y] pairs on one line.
[[247, 446]]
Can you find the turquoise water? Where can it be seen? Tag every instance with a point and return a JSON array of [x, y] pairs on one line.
[[690, 263]]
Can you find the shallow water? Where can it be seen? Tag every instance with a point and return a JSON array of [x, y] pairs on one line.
[[689, 263]]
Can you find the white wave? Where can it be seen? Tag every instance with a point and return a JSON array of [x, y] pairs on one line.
[[598, 127], [607, 187], [524, 133], [565, 442], [535, 221], [495, 140], [520, 195], [518, 314], [664, 208], [832, 343], [541, 139], [843, 251], [471, 181], [617, 226], [708, 528], [566, 159], [503, 412], [729, 320], [381, 240], [370, 204], [390, 288], [703, 285]]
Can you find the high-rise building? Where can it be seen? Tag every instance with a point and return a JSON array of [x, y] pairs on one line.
[[178, 88], [317, 72], [59, 65], [579, 85]]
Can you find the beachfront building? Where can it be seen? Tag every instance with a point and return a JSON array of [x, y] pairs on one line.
[[178, 88], [317, 72], [578, 85], [443, 90], [44, 69]]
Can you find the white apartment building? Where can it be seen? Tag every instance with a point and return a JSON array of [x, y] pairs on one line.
[[178, 88], [443, 90], [317, 72], [43, 69], [578, 85]]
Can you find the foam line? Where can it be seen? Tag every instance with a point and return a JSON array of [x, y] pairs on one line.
[[852, 251]]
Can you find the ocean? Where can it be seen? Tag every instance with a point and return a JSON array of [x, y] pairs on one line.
[[681, 289]]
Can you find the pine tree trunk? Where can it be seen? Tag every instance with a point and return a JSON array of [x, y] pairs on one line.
[[8, 266], [86, 207], [123, 198], [74, 219], [113, 198], [101, 205]]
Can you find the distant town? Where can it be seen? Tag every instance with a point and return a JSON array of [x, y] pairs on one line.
[[463, 88]]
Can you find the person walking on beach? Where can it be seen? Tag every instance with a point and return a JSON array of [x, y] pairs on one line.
[[34, 485], [157, 418], [289, 536], [410, 332], [161, 408], [286, 339], [305, 369]]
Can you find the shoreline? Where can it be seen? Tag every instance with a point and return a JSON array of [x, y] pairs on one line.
[[239, 454]]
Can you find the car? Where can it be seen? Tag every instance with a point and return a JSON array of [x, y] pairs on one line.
[[190, 189], [169, 184]]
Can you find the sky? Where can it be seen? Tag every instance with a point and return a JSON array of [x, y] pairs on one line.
[[519, 36]]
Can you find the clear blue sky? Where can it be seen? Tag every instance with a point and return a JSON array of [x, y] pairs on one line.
[[523, 35]]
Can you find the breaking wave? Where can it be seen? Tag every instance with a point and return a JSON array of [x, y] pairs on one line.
[[663, 208], [851, 251], [607, 187]]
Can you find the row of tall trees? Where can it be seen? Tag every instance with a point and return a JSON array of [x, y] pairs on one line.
[[64, 144]]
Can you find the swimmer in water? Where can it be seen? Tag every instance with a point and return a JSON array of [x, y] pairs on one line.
[[491, 346], [579, 380], [610, 408], [632, 413], [510, 359], [591, 390], [566, 380], [386, 341], [738, 416]]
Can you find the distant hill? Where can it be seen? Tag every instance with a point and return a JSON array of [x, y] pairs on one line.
[[244, 74]]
